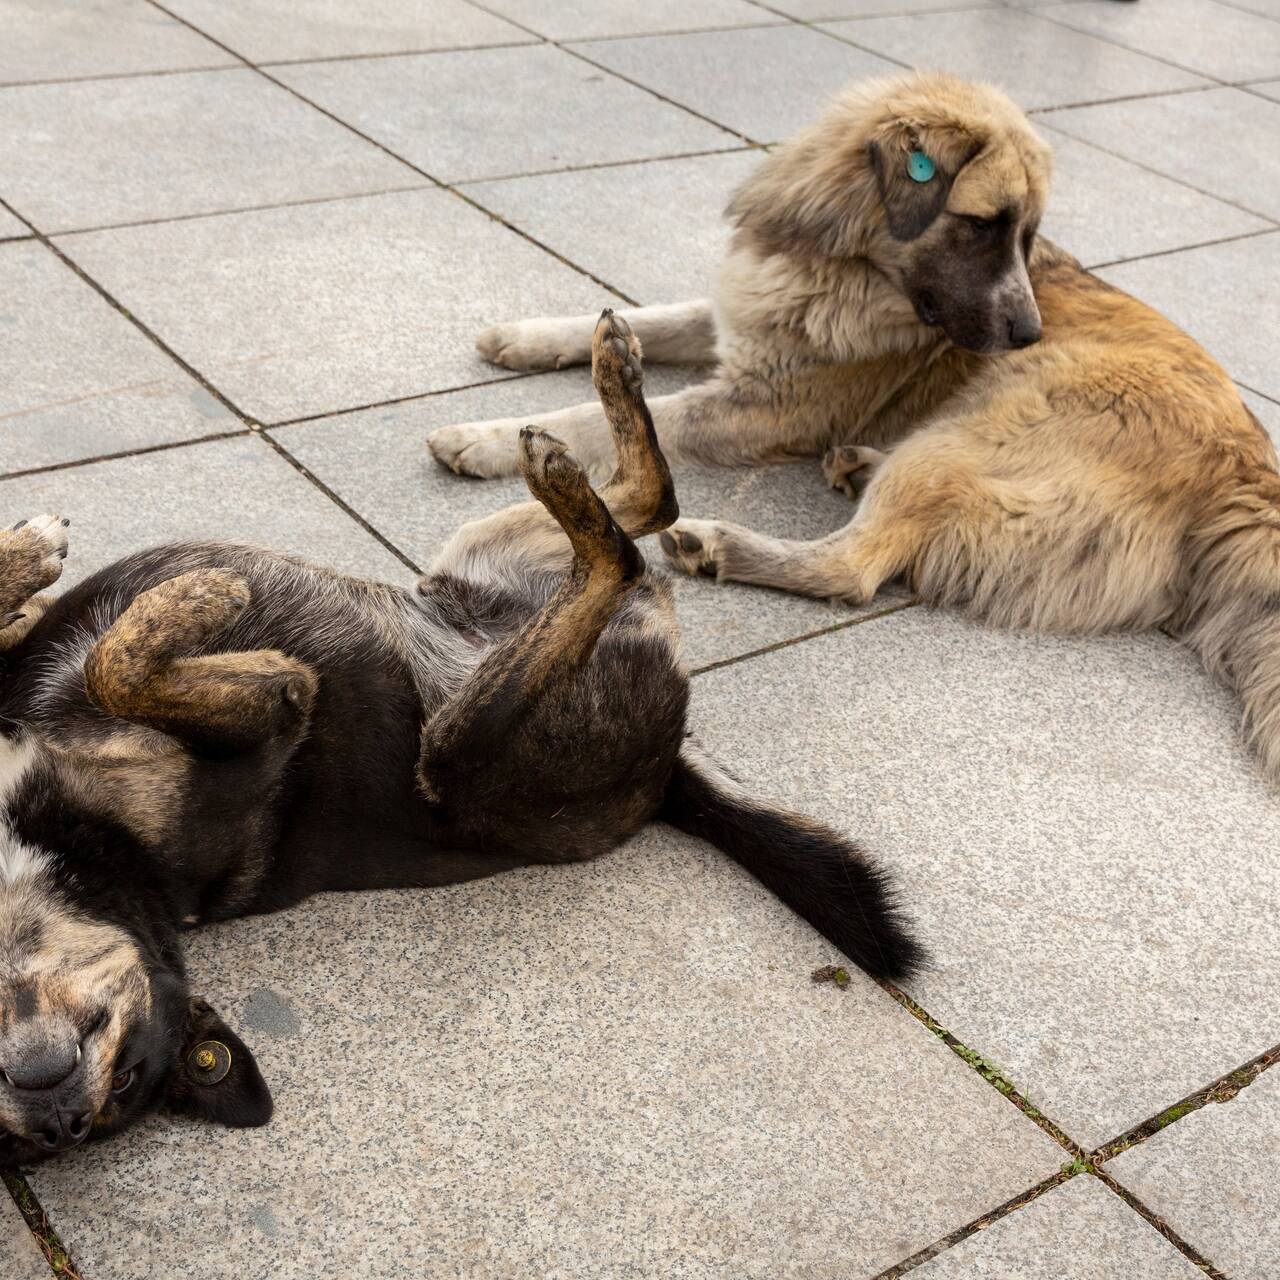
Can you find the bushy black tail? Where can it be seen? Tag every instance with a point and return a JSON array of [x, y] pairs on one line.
[[817, 873]]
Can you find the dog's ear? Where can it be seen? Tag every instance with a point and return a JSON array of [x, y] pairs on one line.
[[913, 183], [216, 1077]]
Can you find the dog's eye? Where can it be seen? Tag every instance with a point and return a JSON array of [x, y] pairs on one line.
[[121, 1080], [980, 224]]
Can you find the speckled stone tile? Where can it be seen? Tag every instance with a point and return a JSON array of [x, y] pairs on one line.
[[1194, 137], [826, 10], [99, 152], [377, 462], [236, 490], [1103, 208], [63, 39], [10, 227], [1217, 40], [20, 1256], [656, 231], [444, 113], [1223, 295], [318, 307], [1266, 411], [1078, 1229], [590, 19], [1039, 63], [77, 380], [1214, 1176], [280, 30], [619, 1069], [764, 83], [1076, 823]]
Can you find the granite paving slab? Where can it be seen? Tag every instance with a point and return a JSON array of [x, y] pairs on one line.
[[1266, 411], [378, 463], [618, 1069], [827, 10], [1103, 208], [656, 230], [764, 83], [98, 152], [1222, 294], [235, 490], [318, 307], [1214, 1176], [1269, 90], [588, 19], [1078, 1229], [12, 228], [20, 1256], [1194, 137], [1076, 826], [64, 39], [77, 380], [1212, 39], [1039, 63], [488, 113], [281, 30]]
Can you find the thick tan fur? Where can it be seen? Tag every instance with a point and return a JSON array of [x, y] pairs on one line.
[[1107, 477]]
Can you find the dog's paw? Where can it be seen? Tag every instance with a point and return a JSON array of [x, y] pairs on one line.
[[525, 345], [615, 357], [693, 547], [33, 551], [482, 449], [848, 468]]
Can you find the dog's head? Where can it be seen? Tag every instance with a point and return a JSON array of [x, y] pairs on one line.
[[937, 182], [97, 1027]]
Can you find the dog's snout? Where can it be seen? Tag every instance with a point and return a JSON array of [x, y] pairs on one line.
[[44, 1066], [1023, 328], [63, 1129]]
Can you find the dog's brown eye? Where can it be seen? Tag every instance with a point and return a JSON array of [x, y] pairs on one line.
[[121, 1081], [980, 224]]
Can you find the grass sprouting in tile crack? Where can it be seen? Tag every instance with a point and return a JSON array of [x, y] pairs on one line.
[[1224, 1089], [55, 1252], [990, 1071]]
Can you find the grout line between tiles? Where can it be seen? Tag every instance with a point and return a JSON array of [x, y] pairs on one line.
[[1262, 395], [808, 635], [746, 149], [140, 451], [47, 1239], [1059, 127], [1184, 248]]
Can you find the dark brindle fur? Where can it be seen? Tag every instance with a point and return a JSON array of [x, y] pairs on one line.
[[205, 731]]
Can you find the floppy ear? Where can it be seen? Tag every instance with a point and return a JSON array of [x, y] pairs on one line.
[[216, 1077], [910, 205]]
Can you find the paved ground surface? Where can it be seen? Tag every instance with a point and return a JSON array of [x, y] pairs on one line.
[[246, 247]]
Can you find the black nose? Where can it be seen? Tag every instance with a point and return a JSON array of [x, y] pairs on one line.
[[1024, 330], [63, 1130]]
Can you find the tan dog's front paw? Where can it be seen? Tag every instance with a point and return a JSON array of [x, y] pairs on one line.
[[482, 449], [693, 547], [849, 468]]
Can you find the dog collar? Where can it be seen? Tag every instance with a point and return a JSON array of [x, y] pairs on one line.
[[919, 167]]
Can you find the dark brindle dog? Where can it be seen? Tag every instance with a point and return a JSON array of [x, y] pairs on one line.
[[204, 731]]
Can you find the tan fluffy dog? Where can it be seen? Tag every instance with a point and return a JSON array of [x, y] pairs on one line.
[[1062, 457]]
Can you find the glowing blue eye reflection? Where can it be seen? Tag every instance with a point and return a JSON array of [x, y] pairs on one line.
[[919, 167]]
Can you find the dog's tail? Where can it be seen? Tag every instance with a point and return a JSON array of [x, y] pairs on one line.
[[817, 873], [1231, 616]]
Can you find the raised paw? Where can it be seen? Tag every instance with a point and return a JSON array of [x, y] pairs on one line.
[[31, 556], [693, 547], [849, 468], [482, 449], [615, 357]]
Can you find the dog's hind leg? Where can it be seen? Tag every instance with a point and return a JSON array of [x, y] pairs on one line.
[[683, 333], [639, 494], [31, 556], [467, 735], [140, 669]]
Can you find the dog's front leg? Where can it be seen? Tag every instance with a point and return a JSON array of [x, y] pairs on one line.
[[31, 556], [140, 669]]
